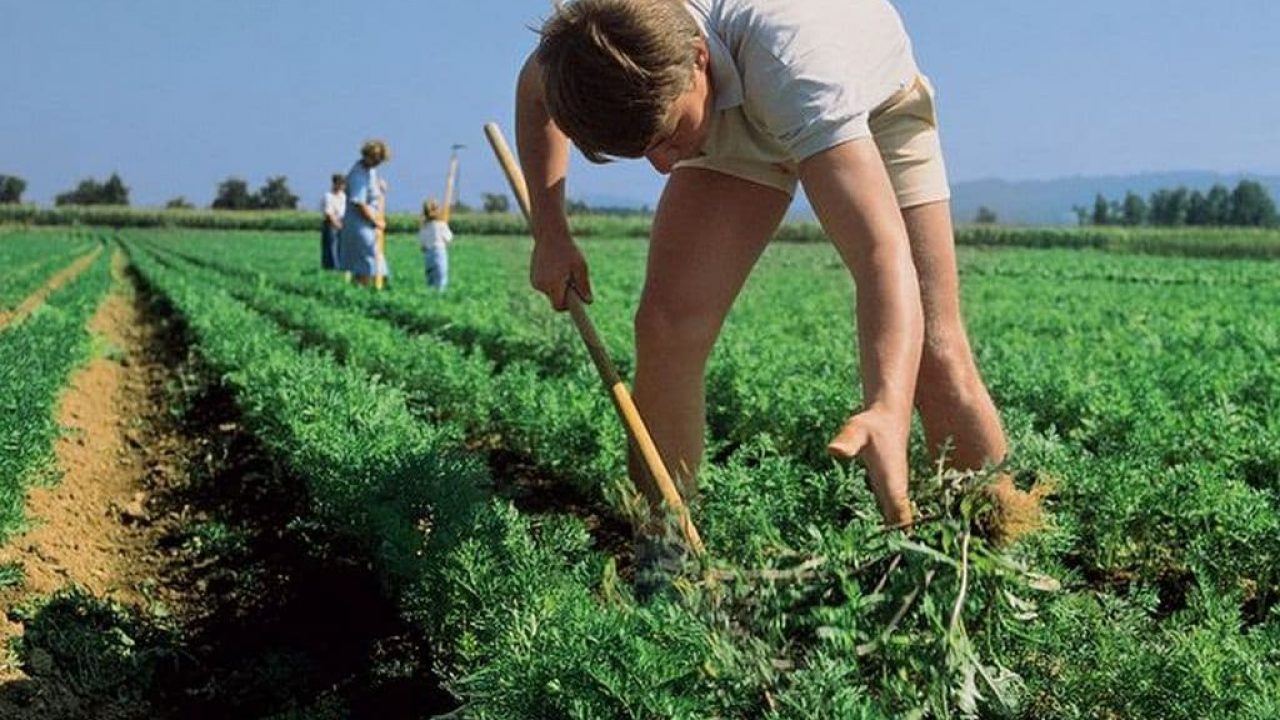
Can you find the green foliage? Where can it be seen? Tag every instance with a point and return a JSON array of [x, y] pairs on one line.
[[97, 647], [1143, 385], [1252, 206], [1136, 212], [985, 216], [12, 574], [495, 203], [1248, 206], [275, 195], [31, 258], [91, 192], [1199, 242], [233, 194], [36, 357], [11, 189]]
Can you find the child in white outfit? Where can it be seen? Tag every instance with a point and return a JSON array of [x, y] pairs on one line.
[[435, 237]]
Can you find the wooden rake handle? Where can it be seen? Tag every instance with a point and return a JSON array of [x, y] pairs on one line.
[[618, 392]]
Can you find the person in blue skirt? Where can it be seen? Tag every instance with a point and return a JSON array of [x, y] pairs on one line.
[[334, 206], [358, 250]]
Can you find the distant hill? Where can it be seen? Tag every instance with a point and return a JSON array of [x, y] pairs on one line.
[[1035, 202], [1048, 202]]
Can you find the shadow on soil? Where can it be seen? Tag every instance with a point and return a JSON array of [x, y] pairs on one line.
[[260, 614]]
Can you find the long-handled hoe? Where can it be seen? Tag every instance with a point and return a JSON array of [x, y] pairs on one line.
[[380, 247], [618, 392]]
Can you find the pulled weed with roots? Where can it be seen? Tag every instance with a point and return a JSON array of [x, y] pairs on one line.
[[908, 615]]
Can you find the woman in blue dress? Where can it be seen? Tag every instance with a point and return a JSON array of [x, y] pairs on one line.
[[363, 217]]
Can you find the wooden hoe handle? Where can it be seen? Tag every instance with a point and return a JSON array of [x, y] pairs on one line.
[[618, 392]]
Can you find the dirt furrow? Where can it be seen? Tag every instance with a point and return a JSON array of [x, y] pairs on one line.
[[171, 571], [60, 278]]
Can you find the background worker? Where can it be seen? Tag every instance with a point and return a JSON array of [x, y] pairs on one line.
[[334, 205], [738, 101], [434, 237], [363, 218]]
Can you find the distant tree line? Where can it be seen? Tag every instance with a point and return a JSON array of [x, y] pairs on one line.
[[500, 203], [580, 207], [92, 192], [232, 194], [11, 189], [986, 216], [1249, 205]]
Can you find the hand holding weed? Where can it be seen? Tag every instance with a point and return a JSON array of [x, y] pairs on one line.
[[880, 440]]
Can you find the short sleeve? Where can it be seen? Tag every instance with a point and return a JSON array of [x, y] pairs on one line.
[[807, 102], [374, 191], [359, 189]]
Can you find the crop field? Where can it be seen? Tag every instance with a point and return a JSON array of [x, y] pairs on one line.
[[460, 444]]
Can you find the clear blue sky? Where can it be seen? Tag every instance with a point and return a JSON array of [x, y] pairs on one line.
[[177, 96]]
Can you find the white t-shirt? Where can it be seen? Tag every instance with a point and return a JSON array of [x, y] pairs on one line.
[[806, 73], [335, 204], [435, 234]]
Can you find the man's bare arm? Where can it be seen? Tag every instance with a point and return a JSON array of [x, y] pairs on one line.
[[544, 159], [854, 200]]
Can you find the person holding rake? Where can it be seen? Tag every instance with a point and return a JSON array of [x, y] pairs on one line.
[[365, 217], [738, 102]]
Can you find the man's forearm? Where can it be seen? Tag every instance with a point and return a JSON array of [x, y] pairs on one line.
[[853, 197], [890, 333]]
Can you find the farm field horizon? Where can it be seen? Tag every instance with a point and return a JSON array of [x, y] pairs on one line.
[[447, 469]]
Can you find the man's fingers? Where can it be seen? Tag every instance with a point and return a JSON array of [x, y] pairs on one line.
[[558, 299], [887, 473], [896, 508], [582, 281], [848, 442]]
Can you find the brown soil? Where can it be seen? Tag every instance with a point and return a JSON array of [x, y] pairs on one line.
[[169, 506], [90, 528], [60, 278]]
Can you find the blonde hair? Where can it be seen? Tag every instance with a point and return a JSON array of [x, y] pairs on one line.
[[375, 152], [611, 70], [431, 209]]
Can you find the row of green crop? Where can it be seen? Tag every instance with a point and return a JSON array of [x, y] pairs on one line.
[[1192, 242], [37, 355], [563, 426], [504, 325], [786, 377], [1168, 384], [1108, 529], [527, 621], [29, 262], [570, 431], [1199, 242], [22, 246], [1224, 479], [517, 328], [750, 513], [510, 324]]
